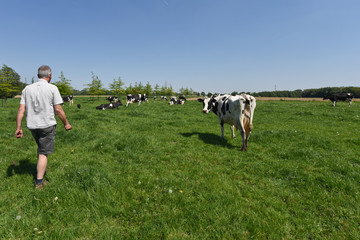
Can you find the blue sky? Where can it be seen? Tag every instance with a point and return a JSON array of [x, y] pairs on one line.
[[207, 45]]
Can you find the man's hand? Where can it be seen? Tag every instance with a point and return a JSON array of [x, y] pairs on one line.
[[68, 126], [19, 133]]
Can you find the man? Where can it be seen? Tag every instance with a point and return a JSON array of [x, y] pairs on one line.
[[40, 101]]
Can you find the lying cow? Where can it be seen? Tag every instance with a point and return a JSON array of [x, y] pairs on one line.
[[182, 97], [109, 106], [69, 99], [334, 97], [238, 111], [174, 100], [131, 98], [112, 99], [164, 98]]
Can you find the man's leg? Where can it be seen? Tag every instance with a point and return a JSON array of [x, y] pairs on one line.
[[41, 166]]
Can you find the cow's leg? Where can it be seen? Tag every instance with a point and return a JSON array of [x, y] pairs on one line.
[[222, 129], [139, 102], [240, 126], [232, 131], [349, 102], [334, 103], [244, 140]]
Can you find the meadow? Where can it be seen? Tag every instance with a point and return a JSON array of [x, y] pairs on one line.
[[156, 171]]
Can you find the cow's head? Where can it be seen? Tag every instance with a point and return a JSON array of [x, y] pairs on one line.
[[208, 103]]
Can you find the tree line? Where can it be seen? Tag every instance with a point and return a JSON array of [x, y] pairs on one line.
[[309, 93], [10, 86]]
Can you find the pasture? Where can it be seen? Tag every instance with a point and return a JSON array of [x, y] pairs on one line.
[[156, 171]]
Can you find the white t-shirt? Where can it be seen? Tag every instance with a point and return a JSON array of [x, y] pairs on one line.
[[39, 99]]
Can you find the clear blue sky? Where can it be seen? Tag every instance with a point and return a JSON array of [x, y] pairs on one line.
[[207, 45]]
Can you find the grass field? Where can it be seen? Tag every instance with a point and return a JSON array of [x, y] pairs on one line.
[[156, 171]]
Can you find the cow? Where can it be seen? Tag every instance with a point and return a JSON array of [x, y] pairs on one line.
[[164, 98], [154, 98], [109, 106], [69, 99], [174, 100], [334, 97], [112, 99], [182, 97], [131, 98], [238, 111]]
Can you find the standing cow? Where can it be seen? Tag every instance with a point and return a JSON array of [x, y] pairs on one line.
[[69, 99], [334, 97], [131, 98], [238, 111]]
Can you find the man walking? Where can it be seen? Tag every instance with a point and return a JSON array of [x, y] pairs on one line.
[[40, 101]]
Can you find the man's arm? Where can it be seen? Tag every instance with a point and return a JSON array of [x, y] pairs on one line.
[[20, 115], [61, 114]]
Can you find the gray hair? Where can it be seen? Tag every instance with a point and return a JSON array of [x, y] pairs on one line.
[[44, 71]]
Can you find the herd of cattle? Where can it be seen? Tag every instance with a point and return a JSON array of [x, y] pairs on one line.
[[237, 111]]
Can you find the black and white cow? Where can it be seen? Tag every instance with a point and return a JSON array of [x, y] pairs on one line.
[[154, 98], [174, 100], [131, 98], [334, 97], [164, 98], [238, 111], [182, 97], [109, 106], [112, 99], [69, 99]]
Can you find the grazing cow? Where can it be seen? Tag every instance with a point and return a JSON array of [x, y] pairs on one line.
[[174, 100], [112, 99], [131, 98], [238, 111], [154, 98], [164, 98], [109, 106], [69, 99], [334, 97]]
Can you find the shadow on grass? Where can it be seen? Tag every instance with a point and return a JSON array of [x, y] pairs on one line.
[[210, 138], [22, 167]]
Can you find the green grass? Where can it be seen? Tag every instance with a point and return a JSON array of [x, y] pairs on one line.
[[163, 172]]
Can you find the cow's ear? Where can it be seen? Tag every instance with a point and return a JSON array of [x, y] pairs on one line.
[[200, 100]]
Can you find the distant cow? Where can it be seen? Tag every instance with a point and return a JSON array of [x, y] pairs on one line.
[[69, 99], [131, 98], [109, 106], [182, 97], [174, 100], [164, 98], [334, 97], [112, 99], [236, 110], [154, 98]]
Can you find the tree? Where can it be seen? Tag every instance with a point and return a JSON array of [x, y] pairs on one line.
[[64, 85], [10, 84], [157, 89], [116, 87], [95, 87], [148, 89], [129, 89]]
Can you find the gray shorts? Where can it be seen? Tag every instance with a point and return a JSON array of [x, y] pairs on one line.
[[45, 139]]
